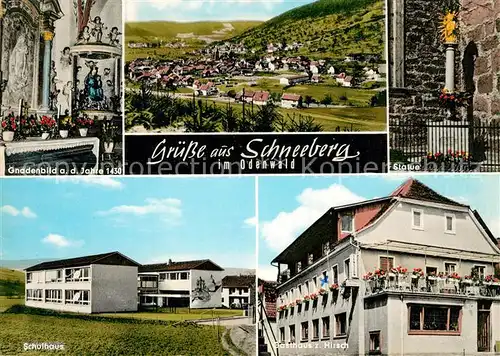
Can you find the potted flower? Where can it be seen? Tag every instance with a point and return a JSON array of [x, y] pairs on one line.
[[83, 123], [468, 280], [417, 273], [47, 125], [10, 124], [306, 298], [491, 280], [322, 291], [432, 276], [298, 301], [65, 125], [454, 276], [109, 134], [314, 296], [291, 305], [334, 287]]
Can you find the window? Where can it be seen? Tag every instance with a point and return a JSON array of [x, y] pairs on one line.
[[431, 271], [307, 287], [299, 266], [374, 343], [479, 271], [449, 220], [386, 263], [315, 282], [53, 276], [29, 277], [163, 276], [244, 290], [315, 325], [77, 274], [292, 333], [417, 219], [325, 327], [232, 290], [173, 276], [34, 294], [340, 324], [305, 331], [77, 297], [184, 275], [347, 223], [335, 274], [53, 295], [432, 319], [347, 265], [300, 290], [326, 248], [282, 335], [450, 268]]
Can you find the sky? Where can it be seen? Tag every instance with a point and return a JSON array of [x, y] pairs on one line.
[[207, 10], [287, 206], [147, 219]]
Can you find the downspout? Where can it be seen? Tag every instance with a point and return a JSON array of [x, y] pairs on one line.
[[361, 320]]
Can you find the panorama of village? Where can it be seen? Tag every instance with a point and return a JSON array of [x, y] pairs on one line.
[[312, 68]]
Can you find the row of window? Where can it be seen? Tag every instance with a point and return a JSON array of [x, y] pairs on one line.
[[418, 221], [319, 328], [324, 280], [54, 276], [55, 296], [240, 290], [387, 262], [173, 276]]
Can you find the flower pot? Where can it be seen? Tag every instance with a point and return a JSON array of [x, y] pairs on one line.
[[45, 135], [8, 136], [108, 147], [83, 132], [63, 133]]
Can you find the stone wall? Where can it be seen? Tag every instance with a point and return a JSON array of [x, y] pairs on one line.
[[424, 63], [480, 22]]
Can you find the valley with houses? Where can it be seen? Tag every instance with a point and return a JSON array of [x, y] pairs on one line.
[[317, 67]]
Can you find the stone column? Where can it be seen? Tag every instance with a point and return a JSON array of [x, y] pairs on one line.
[[450, 67], [48, 36]]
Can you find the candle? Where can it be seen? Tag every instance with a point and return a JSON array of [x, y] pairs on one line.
[[20, 107], [58, 112]]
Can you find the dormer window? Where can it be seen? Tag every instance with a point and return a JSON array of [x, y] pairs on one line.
[[417, 219], [347, 222], [449, 223]]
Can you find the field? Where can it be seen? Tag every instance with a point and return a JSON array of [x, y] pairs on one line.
[[6, 303], [181, 314], [332, 119], [165, 31], [88, 337]]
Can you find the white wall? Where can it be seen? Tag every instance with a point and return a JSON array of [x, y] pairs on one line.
[[114, 288], [397, 225]]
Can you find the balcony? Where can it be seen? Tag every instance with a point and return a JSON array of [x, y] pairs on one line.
[[444, 285]]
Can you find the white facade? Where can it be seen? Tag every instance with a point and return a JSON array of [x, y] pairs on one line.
[[397, 314], [235, 296], [88, 289]]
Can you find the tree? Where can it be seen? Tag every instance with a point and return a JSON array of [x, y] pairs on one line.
[[203, 119], [308, 100], [327, 100]]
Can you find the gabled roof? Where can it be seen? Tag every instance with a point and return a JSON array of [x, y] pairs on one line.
[[110, 258], [206, 265], [238, 281], [291, 97], [413, 189]]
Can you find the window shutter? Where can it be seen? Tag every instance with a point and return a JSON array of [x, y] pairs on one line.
[[353, 268]]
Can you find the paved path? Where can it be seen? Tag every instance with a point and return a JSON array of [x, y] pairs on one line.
[[229, 322]]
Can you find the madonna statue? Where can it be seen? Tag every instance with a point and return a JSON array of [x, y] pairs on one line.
[[93, 85]]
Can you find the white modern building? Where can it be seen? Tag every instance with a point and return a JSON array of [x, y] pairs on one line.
[[90, 284], [192, 284], [236, 290], [412, 273]]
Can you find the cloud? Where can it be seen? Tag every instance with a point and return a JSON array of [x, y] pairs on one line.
[[104, 182], [286, 226], [60, 241], [168, 209], [250, 222], [25, 212]]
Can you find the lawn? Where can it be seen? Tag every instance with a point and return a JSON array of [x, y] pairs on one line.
[[179, 315], [6, 302], [89, 337]]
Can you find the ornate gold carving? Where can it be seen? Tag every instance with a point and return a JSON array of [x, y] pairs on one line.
[[48, 35], [449, 27]]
